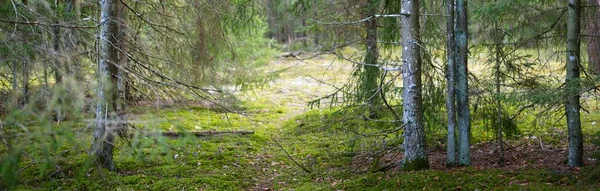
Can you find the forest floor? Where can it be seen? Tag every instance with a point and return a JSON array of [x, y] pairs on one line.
[[293, 148]]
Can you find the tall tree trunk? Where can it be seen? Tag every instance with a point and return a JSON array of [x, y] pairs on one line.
[[450, 75], [271, 19], [369, 86], [593, 32], [462, 84], [102, 142], [71, 41], [122, 62], [572, 85], [415, 157], [498, 56]]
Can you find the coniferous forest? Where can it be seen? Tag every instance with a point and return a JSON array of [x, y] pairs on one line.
[[300, 95]]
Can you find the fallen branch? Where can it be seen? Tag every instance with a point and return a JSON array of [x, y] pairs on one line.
[[205, 133], [291, 54], [195, 133], [291, 158]]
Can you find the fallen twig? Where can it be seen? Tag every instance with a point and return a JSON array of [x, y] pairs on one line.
[[291, 158]]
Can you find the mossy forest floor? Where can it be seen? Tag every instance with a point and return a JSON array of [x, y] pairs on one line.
[[292, 150]]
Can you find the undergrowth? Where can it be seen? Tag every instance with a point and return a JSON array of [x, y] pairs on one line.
[[334, 148]]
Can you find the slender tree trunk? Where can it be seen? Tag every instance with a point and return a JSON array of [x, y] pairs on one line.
[[122, 62], [572, 85], [271, 20], [57, 61], [102, 142], [462, 84], [15, 82], [304, 36], [451, 71], [370, 76], [415, 157], [71, 41], [593, 32], [499, 127], [25, 81], [46, 84]]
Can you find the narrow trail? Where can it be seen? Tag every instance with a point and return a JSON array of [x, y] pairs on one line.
[[299, 82]]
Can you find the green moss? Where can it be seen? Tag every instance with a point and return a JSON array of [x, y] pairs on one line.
[[461, 179], [324, 140], [417, 164]]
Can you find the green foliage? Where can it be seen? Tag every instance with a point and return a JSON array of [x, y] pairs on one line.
[[486, 116], [592, 174], [390, 32], [33, 140], [465, 178]]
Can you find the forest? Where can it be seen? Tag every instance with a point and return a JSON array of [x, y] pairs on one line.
[[300, 95]]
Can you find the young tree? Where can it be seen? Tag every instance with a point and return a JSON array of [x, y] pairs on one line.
[[497, 58], [450, 75], [462, 84], [369, 84], [572, 84], [102, 140], [415, 157]]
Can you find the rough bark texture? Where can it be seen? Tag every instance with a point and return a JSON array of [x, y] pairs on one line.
[[593, 32], [450, 75], [415, 157], [462, 84], [102, 140], [572, 85], [371, 71]]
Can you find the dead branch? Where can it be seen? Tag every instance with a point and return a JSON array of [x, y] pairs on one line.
[[48, 24], [291, 158], [205, 133]]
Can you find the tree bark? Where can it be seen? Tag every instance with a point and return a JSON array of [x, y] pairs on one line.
[[58, 77], [25, 81], [106, 116], [71, 41], [462, 84], [450, 76], [572, 85], [593, 32], [15, 82], [272, 33], [123, 60], [415, 157], [370, 76], [498, 57]]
